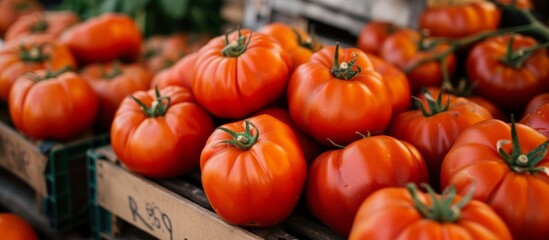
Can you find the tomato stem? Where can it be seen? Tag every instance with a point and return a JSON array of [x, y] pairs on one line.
[[335, 144], [49, 74], [434, 106], [236, 47], [344, 70], [442, 209], [517, 161], [40, 26], [310, 42], [463, 88], [422, 44], [242, 140], [157, 108], [34, 53], [115, 71], [517, 58]]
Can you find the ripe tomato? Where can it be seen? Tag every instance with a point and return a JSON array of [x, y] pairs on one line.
[[29, 54], [399, 213], [253, 171], [180, 74], [41, 23], [161, 52], [340, 180], [337, 94], [239, 73], [535, 103], [14, 227], [112, 83], [373, 34], [296, 42], [396, 83], [538, 120], [406, 47], [509, 172], [160, 133], [52, 105], [500, 73], [460, 20], [11, 10], [311, 149], [434, 127], [104, 38]]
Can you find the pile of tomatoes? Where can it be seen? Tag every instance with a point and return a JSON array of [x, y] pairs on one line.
[[272, 116]]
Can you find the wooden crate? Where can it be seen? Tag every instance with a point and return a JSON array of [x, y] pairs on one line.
[[53, 172], [173, 209]]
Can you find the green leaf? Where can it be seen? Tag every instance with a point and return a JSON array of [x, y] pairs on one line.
[[176, 9]]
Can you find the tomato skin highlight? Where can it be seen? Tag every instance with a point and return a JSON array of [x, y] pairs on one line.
[[163, 146], [434, 135], [57, 107], [105, 38], [340, 180], [259, 186], [496, 80], [233, 87], [462, 20], [514, 196], [325, 106]]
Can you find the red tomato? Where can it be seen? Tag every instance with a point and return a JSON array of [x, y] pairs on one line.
[[180, 74], [434, 127], [160, 136], [398, 213], [11, 10], [311, 149], [52, 105], [538, 119], [104, 38], [373, 34], [340, 180], [240, 73], [396, 82], [14, 227], [112, 83], [403, 50], [299, 45], [253, 172], [161, 52], [337, 94], [508, 175], [500, 73], [535, 103], [41, 23], [460, 20], [29, 54]]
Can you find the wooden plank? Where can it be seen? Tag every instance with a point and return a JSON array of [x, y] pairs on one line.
[[23, 158], [158, 211]]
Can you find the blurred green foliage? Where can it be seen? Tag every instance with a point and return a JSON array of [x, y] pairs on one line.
[[157, 16]]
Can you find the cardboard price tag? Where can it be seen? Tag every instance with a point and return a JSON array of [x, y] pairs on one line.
[[23, 158], [158, 211]]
